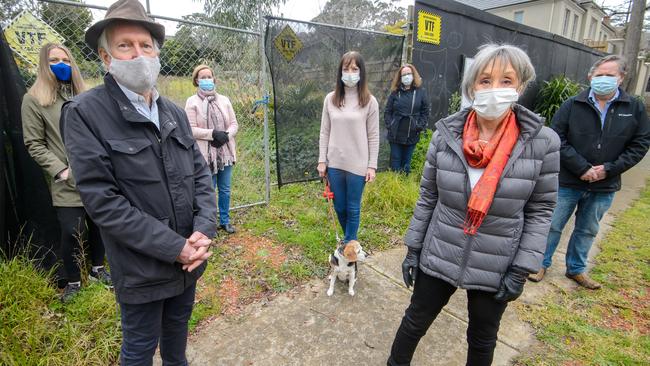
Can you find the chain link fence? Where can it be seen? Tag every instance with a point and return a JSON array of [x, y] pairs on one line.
[[235, 55]]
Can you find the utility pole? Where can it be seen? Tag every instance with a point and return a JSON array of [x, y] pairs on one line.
[[632, 43]]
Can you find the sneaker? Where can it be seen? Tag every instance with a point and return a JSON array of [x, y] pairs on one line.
[[69, 292], [228, 228], [583, 280], [538, 276], [102, 276]]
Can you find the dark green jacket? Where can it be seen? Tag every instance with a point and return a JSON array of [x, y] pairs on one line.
[[42, 138]]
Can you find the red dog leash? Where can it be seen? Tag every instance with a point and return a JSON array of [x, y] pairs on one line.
[[329, 197]]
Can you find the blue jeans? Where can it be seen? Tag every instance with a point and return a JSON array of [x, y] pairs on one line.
[[591, 208], [400, 157], [221, 181], [347, 189], [144, 325]]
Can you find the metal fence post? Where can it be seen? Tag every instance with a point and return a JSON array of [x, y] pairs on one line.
[[267, 153]]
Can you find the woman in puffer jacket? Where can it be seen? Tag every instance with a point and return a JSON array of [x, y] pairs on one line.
[[405, 117], [488, 191]]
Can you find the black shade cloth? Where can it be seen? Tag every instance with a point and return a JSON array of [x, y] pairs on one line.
[[27, 214]]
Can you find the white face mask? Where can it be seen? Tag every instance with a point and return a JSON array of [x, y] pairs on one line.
[[493, 103], [138, 75], [407, 79], [350, 79]]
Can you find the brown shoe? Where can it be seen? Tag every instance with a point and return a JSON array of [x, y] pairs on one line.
[[583, 280], [537, 276]]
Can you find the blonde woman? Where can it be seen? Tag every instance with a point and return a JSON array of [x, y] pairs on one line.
[[214, 127], [58, 80]]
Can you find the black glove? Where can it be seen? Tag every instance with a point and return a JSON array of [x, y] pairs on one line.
[[219, 138], [512, 285], [410, 266]]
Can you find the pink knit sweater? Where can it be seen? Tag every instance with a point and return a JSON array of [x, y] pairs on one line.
[[349, 135]]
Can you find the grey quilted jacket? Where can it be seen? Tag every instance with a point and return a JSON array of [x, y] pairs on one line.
[[515, 229]]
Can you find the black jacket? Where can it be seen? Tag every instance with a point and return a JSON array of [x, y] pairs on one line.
[[620, 145], [406, 115], [147, 190]]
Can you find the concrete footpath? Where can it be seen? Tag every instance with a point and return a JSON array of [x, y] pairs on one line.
[[305, 327]]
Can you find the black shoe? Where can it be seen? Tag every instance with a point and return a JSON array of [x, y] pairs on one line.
[[228, 228], [102, 276], [69, 292]]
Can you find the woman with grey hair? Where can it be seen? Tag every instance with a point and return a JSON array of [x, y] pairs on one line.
[[488, 191]]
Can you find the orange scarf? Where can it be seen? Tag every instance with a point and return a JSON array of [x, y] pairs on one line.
[[492, 156]]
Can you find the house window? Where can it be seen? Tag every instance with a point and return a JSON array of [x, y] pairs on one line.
[[519, 16], [592, 29], [575, 26], [565, 26]]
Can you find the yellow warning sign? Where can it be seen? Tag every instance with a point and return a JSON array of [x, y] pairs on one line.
[[26, 34], [288, 43], [429, 27]]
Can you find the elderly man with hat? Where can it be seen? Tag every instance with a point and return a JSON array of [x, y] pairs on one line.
[[145, 184]]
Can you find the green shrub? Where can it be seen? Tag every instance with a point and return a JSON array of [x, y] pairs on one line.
[[553, 93], [420, 154], [454, 103]]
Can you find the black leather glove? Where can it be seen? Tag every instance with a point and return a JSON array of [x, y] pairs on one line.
[[219, 138], [410, 266], [512, 285]]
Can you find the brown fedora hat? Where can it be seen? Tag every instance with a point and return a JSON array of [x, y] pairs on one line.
[[126, 10]]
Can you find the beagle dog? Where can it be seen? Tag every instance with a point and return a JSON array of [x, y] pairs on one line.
[[344, 265]]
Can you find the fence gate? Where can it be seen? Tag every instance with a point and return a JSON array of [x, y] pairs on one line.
[[303, 59]]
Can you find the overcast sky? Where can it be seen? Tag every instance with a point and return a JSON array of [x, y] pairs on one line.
[[293, 9]]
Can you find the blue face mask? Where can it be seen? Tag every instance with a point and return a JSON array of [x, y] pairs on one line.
[[206, 84], [62, 71], [603, 85]]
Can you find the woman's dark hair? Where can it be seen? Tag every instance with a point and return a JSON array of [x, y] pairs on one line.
[[362, 86]]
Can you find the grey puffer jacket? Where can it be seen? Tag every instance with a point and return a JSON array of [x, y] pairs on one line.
[[515, 229]]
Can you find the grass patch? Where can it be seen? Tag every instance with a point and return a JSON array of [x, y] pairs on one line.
[[298, 216], [606, 327], [37, 329]]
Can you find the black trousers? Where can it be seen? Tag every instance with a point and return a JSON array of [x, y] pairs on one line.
[[76, 224], [430, 295], [144, 325]]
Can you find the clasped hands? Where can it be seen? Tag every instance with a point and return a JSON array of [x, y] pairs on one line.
[[195, 251], [595, 173]]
